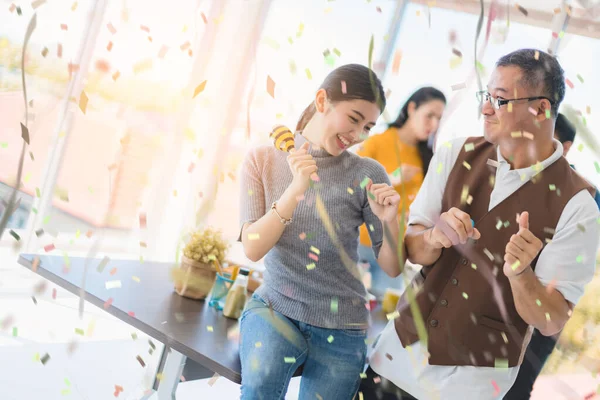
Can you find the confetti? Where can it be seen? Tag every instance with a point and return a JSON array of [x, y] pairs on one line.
[[204, 18], [457, 52], [580, 78], [350, 191], [308, 74], [466, 296], [64, 27], [330, 339], [302, 236], [79, 331], [59, 50], [45, 358], [48, 248], [103, 264], [111, 28], [113, 284], [334, 305], [364, 182], [289, 360], [258, 345], [143, 244], [467, 165], [212, 380], [469, 147], [35, 4], [396, 62], [132, 314], [500, 363], [313, 256], [392, 315], [143, 220], [74, 6], [532, 111], [569, 83], [315, 250], [199, 89], [142, 363], [25, 133], [83, 101], [44, 52], [496, 388], [389, 356], [515, 265], [344, 87], [113, 271], [116, 75], [135, 278], [579, 259], [12, 7], [15, 331], [15, 235], [253, 236], [311, 266], [209, 328], [522, 10]]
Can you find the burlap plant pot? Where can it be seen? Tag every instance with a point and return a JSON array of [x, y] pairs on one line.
[[194, 279]]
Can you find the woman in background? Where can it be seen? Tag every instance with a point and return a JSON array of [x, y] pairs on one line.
[[404, 150]]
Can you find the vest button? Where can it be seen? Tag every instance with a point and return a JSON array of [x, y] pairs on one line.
[[454, 281], [433, 322], [444, 302], [464, 261]]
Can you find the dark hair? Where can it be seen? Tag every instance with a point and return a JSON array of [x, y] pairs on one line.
[[564, 129], [539, 71], [348, 82], [420, 97]]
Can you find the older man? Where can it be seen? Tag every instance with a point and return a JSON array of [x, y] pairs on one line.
[[507, 234]]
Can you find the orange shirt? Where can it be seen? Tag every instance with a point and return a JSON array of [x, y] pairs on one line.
[[391, 152]]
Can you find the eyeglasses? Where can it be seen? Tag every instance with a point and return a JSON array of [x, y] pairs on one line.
[[497, 103]]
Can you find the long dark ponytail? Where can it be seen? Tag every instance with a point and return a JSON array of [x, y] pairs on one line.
[[348, 82], [420, 97]]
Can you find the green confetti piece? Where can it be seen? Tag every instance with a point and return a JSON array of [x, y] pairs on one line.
[[473, 266], [46, 219], [134, 335], [271, 43], [15, 331], [396, 173], [209, 328], [392, 315], [334, 305], [500, 363], [363, 375], [584, 121], [79, 331], [289, 360], [330, 61], [330, 339], [371, 195], [548, 115], [364, 182], [45, 358], [311, 266], [466, 296], [15, 235], [67, 382], [4, 145], [580, 147], [580, 78], [579, 258], [498, 225], [469, 147], [37, 192], [480, 66], [65, 392], [290, 40], [337, 52], [308, 74], [515, 265], [552, 187], [561, 34], [538, 302], [439, 168], [597, 166], [371, 228], [371, 46]]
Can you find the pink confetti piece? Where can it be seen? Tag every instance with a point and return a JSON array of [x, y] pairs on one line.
[[185, 45], [204, 18], [48, 248], [163, 51], [145, 28], [569, 83], [377, 380], [270, 86], [111, 28], [496, 388], [109, 46], [131, 314], [315, 177], [108, 303], [12, 7], [54, 294], [59, 50], [533, 111], [313, 256], [302, 236], [344, 87], [191, 167]]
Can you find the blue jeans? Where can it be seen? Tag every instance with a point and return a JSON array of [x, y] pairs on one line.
[[379, 279], [273, 347]]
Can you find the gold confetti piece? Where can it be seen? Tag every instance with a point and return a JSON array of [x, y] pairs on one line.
[[270, 86], [35, 4], [74, 6], [469, 147], [466, 296], [258, 345], [515, 265], [350, 190], [467, 165], [311, 266], [79, 331], [548, 317], [474, 266], [209, 328], [552, 187], [439, 168], [25, 134], [489, 254], [116, 75], [330, 339], [538, 302], [464, 194], [253, 236], [516, 134], [469, 199], [504, 337], [212, 380], [308, 74], [363, 375], [142, 65], [45, 52], [392, 315], [83, 101], [315, 250], [199, 89]]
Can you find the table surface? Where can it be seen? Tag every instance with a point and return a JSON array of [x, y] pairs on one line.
[[151, 305]]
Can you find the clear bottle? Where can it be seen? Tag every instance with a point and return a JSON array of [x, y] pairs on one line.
[[236, 297]]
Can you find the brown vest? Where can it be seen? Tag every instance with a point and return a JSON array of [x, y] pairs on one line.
[[465, 299]]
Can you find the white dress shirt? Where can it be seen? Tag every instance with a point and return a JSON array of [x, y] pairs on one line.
[[569, 260]]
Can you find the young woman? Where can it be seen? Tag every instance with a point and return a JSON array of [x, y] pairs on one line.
[[404, 150], [303, 212]]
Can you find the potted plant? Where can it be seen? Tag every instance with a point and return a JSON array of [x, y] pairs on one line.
[[201, 259]]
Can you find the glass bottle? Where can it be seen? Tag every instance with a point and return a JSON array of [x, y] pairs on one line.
[[236, 298]]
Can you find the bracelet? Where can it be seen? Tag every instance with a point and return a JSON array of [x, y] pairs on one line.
[[284, 221]]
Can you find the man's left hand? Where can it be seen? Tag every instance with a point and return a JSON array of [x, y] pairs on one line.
[[522, 248]]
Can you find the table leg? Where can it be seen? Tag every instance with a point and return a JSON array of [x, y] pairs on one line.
[[171, 373]]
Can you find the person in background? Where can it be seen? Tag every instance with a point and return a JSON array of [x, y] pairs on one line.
[[404, 150], [540, 347]]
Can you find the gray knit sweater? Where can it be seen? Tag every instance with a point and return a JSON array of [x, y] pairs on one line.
[[322, 290]]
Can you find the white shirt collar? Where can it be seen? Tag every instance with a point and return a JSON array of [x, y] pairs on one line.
[[529, 172]]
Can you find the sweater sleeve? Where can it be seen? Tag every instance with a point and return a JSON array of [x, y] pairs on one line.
[[252, 193], [377, 173]]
